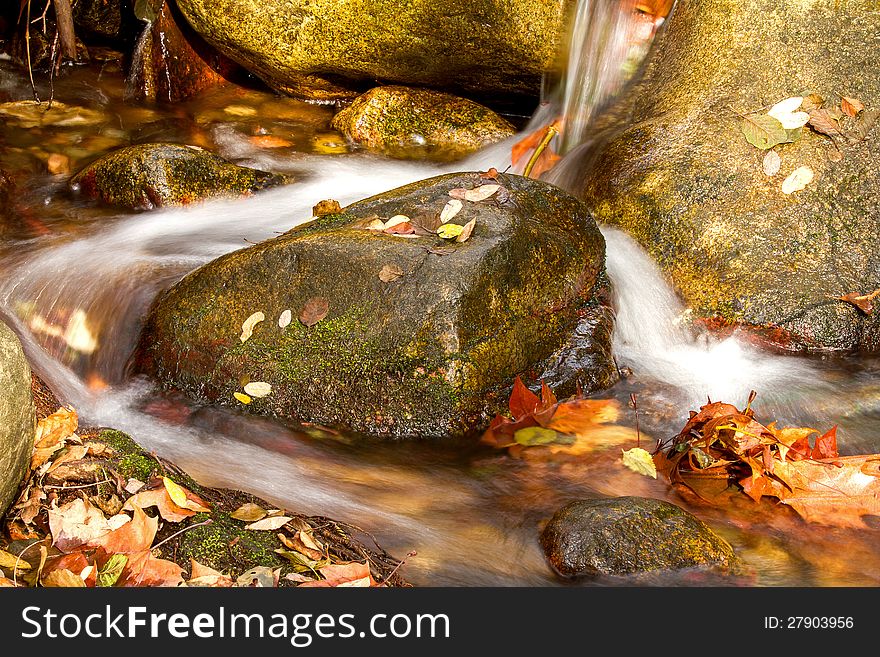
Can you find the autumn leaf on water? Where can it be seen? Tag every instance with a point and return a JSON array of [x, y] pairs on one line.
[[763, 131], [797, 180], [861, 301], [314, 310], [851, 106], [247, 327], [639, 461]]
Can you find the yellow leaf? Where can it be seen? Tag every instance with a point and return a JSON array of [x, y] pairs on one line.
[[450, 231], [62, 578], [243, 398], [247, 327], [249, 512], [797, 180], [175, 492], [640, 461]]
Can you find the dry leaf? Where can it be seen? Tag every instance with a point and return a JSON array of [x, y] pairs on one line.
[[449, 231], [159, 498], [390, 273], [314, 310], [247, 327], [784, 112], [249, 513], [29, 508], [243, 398], [76, 523], [449, 210], [466, 231], [284, 319], [861, 301], [258, 389], [396, 220], [269, 524], [481, 193], [62, 578], [344, 575], [772, 163], [865, 122], [851, 106], [143, 569], [203, 576], [259, 576], [132, 537], [823, 121], [797, 180]]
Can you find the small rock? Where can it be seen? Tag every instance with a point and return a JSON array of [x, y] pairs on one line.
[[625, 535]]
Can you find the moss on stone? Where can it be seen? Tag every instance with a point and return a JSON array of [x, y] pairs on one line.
[[227, 546]]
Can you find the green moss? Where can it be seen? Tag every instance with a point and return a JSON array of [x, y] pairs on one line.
[[227, 546]]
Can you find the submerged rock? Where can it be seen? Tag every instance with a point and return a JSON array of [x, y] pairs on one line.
[[156, 175], [16, 416], [385, 334], [682, 179], [624, 535], [173, 63], [315, 48], [416, 123]]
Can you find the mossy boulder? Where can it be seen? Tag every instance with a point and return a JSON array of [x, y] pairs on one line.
[[317, 48], [17, 416], [417, 123], [420, 336], [155, 175], [682, 179], [173, 63], [626, 535]]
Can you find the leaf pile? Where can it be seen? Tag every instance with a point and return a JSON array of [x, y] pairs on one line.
[[99, 534], [721, 444]]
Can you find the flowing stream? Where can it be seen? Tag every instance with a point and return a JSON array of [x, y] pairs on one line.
[[76, 291]]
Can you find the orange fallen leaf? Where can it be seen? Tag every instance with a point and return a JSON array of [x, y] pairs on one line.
[[132, 537], [314, 310], [344, 575], [851, 106], [159, 498]]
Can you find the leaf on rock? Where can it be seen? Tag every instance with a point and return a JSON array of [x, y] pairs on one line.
[[394, 221], [258, 389], [772, 163], [481, 193], [797, 180], [861, 301], [784, 112], [314, 310], [269, 524], [466, 231], [812, 102], [247, 327], [640, 461], [285, 318], [260, 576], [851, 106], [449, 210], [763, 131], [823, 122], [243, 398], [864, 123], [390, 273], [450, 231]]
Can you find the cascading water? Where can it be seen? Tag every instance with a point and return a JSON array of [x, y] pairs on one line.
[[78, 299]]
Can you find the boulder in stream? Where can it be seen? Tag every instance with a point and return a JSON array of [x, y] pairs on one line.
[[156, 175], [318, 48], [683, 180], [397, 335], [417, 123], [626, 535], [17, 416]]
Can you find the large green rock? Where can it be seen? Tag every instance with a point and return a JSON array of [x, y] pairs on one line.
[[625, 535], [682, 179], [417, 123], [422, 335], [156, 175], [17, 416], [305, 47]]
